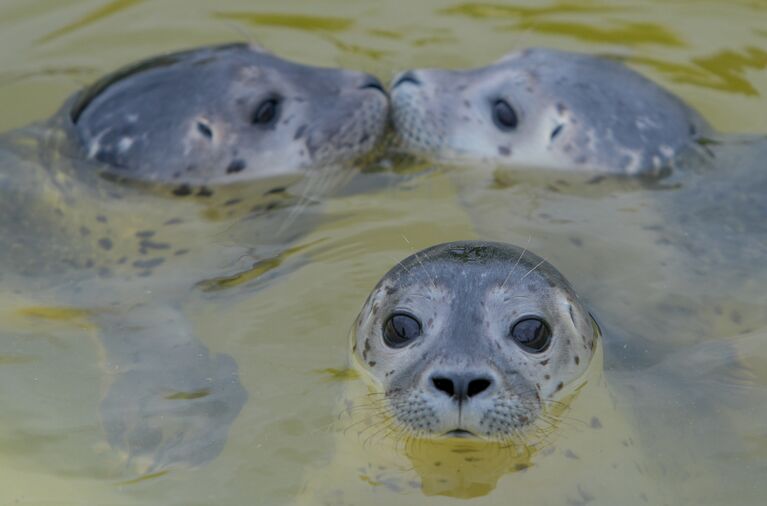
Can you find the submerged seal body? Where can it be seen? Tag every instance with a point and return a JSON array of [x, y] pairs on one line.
[[473, 339], [120, 205], [543, 108]]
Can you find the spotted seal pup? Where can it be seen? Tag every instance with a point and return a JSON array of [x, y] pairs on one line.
[[484, 369], [544, 109], [132, 195], [229, 113]]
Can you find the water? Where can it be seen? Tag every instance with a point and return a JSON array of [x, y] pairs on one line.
[[286, 333]]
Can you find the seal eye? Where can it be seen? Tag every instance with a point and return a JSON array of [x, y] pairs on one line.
[[266, 112], [532, 334], [504, 115], [400, 329]]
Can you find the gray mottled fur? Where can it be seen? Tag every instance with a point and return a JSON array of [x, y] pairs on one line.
[[187, 116], [575, 111]]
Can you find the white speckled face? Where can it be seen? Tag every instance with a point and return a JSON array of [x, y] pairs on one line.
[[543, 109], [473, 339], [226, 114]]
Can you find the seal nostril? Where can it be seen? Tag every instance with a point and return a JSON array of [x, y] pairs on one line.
[[444, 385], [371, 83], [477, 386], [461, 387], [407, 77]]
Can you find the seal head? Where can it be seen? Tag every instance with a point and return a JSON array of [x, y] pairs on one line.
[[224, 114], [473, 339], [544, 109]]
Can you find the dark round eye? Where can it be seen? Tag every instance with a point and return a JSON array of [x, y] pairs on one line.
[[400, 329], [266, 112], [504, 115], [532, 334]]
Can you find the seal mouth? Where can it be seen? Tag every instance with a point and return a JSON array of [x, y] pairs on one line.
[[461, 433]]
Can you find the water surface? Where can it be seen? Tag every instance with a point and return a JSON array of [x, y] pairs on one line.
[[286, 333]]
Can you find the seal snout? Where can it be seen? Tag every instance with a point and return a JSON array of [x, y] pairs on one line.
[[461, 386]]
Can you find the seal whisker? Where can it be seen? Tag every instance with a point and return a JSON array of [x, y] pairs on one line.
[[299, 207], [372, 407], [400, 264], [353, 413], [428, 274], [367, 404], [543, 260], [384, 427], [367, 415], [519, 259], [374, 426], [566, 421], [376, 394]]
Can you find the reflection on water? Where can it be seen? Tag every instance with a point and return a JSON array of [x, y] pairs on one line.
[[462, 470], [93, 16], [452, 467], [499, 11], [648, 431], [294, 21], [725, 70]]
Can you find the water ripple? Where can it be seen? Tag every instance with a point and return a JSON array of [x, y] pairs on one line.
[[297, 21], [94, 16]]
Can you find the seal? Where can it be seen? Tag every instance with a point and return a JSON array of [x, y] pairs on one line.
[[473, 340], [178, 173], [544, 108], [197, 123], [226, 113]]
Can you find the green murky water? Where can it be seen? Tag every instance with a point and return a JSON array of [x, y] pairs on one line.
[[286, 333]]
